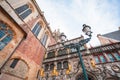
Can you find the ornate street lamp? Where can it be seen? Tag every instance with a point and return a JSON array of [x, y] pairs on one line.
[[87, 30], [62, 37]]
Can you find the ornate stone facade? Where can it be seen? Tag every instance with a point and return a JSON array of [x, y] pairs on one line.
[[107, 68]]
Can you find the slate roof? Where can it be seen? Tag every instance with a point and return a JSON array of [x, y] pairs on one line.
[[113, 35]]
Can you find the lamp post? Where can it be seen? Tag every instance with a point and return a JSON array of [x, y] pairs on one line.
[[87, 30]]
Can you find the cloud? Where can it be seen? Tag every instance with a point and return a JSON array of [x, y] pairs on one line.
[[101, 15]]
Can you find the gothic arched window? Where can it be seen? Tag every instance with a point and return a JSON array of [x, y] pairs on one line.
[[65, 64], [36, 29], [24, 11], [62, 52], [51, 54], [59, 65], [52, 66], [6, 35], [44, 39], [46, 67]]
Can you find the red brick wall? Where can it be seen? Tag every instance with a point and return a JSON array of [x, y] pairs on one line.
[[32, 48], [52, 41]]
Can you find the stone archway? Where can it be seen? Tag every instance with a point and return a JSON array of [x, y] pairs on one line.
[[15, 68], [90, 76]]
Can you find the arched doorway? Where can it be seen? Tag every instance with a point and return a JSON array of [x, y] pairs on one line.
[[90, 77]]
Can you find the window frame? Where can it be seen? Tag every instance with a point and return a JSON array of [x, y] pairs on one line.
[[37, 29], [96, 57], [59, 65], [6, 35], [100, 61], [111, 55], [103, 58], [44, 39], [53, 54], [62, 52], [115, 56], [14, 63], [47, 67], [52, 66], [65, 64], [24, 10]]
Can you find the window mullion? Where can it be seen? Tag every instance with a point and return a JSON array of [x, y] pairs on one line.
[[36, 30], [3, 37], [24, 11]]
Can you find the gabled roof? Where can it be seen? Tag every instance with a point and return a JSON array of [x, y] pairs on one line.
[[113, 35]]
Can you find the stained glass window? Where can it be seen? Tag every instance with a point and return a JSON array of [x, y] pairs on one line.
[[6, 35], [96, 59], [117, 56], [102, 58], [111, 57]]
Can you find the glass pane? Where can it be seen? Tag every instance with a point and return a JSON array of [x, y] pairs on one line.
[[5, 35], [73, 50], [62, 52], [65, 64], [2, 25], [82, 48], [26, 13], [42, 40], [59, 65], [21, 9], [111, 57], [51, 66], [102, 59], [2, 45], [2, 33], [45, 39], [36, 29], [97, 60], [9, 31], [15, 61], [117, 56], [7, 39], [46, 67], [51, 54]]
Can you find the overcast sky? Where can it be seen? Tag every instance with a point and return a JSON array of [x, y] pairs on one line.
[[69, 15]]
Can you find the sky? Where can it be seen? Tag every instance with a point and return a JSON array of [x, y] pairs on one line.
[[103, 16]]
